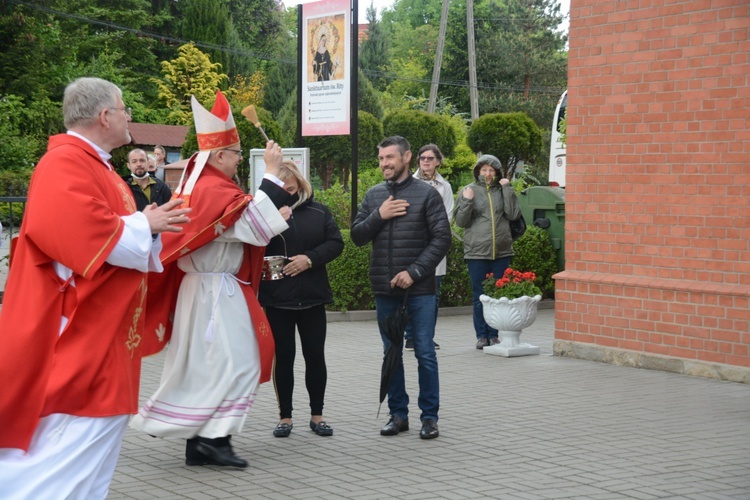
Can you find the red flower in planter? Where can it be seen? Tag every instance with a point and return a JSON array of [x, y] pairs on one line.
[[512, 285]]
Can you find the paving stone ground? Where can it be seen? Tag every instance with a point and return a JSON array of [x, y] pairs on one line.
[[535, 427]]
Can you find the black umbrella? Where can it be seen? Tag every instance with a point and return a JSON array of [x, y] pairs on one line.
[[394, 327]]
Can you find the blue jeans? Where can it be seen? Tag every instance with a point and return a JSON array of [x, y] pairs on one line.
[[421, 308], [478, 271], [407, 334]]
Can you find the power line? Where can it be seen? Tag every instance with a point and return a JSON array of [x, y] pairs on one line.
[[146, 34], [267, 57]]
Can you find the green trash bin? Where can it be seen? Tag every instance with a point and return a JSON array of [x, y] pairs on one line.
[[544, 206]]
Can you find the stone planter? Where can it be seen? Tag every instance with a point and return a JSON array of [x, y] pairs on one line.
[[509, 318]]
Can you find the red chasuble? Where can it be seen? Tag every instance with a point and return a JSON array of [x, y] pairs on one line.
[[92, 368], [217, 204]]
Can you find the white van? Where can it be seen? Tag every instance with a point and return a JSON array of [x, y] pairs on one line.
[[557, 148]]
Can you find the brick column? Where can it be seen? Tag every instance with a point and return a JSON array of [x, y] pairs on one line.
[[657, 240]]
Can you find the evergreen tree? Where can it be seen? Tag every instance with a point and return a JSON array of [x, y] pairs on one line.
[[520, 56], [208, 22], [191, 73], [527, 48], [373, 52], [111, 27], [33, 53], [258, 23], [282, 72], [368, 99]]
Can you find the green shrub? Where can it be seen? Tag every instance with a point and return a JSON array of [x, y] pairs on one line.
[[534, 252], [331, 155], [455, 288], [13, 183], [24, 127], [511, 137], [461, 167], [349, 276], [350, 273], [339, 202], [457, 166], [420, 128]]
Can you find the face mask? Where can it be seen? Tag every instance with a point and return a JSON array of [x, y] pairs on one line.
[[294, 198]]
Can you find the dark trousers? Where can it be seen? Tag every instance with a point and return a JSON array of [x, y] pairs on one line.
[[311, 324]]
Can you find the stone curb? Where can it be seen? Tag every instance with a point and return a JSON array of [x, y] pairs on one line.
[[633, 359], [338, 317]]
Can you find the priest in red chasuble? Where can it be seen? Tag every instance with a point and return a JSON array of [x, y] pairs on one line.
[[71, 327], [221, 345]]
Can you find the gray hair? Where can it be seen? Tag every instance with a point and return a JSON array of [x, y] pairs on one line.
[[85, 98]]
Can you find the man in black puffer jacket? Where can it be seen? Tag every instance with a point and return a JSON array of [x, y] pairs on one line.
[[405, 220]]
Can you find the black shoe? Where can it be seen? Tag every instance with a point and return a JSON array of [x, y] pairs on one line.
[[429, 429], [221, 455], [409, 345], [283, 430], [202, 460], [321, 428], [394, 426], [193, 456]]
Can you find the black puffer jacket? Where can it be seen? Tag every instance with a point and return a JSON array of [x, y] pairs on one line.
[[312, 232], [415, 242]]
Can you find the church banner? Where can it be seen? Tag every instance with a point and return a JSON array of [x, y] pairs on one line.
[[326, 62]]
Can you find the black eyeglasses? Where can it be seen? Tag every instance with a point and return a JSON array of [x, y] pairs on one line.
[[427, 158], [238, 151]]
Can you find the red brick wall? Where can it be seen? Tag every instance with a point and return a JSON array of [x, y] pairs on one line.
[[657, 240]]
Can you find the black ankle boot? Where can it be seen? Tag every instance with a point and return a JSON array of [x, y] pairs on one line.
[[192, 455], [219, 451]]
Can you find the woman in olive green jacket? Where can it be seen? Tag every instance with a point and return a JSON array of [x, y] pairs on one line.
[[485, 209]]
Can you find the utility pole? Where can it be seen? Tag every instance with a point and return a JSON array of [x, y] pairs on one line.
[[438, 59], [473, 97]]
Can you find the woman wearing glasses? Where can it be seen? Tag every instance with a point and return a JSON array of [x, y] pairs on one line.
[[430, 158]]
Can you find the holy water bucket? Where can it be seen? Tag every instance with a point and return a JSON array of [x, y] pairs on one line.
[[273, 266]]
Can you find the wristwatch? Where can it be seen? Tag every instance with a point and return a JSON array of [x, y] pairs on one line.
[[309, 263]]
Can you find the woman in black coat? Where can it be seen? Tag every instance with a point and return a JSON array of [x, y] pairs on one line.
[[297, 301]]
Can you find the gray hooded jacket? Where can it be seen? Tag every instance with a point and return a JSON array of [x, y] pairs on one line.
[[486, 218]]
